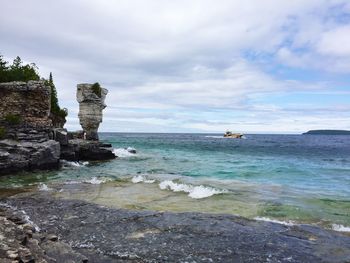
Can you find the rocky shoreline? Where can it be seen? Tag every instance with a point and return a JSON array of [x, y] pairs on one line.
[[77, 231], [29, 136]]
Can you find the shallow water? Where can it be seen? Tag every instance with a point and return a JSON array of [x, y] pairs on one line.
[[304, 179]]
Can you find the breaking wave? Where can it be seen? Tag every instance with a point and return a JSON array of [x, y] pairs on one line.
[[196, 192], [95, 180], [340, 228], [73, 164], [44, 187], [124, 152], [141, 179]]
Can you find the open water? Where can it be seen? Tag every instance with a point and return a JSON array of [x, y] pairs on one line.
[[290, 179]]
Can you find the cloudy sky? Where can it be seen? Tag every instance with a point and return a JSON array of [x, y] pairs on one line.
[[192, 65]]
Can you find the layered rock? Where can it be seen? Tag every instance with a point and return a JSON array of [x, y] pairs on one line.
[[78, 149], [30, 101], [91, 104], [28, 138], [18, 156]]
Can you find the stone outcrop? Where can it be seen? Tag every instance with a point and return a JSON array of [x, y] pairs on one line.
[[91, 104], [28, 138], [116, 235], [18, 156], [78, 149], [29, 101]]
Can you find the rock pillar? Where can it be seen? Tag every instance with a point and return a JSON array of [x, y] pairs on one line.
[[91, 99]]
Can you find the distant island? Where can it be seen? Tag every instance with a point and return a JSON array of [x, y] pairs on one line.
[[327, 132]]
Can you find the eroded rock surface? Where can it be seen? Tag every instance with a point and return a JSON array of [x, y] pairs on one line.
[[18, 156], [30, 101], [90, 109], [116, 235], [78, 150], [22, 241]]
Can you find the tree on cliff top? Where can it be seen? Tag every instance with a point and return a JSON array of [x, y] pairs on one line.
[[17, 71], [55, 107]]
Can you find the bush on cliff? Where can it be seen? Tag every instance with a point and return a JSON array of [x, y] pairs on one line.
[[13, 119], [2, 133], [17, 71], [96, 88]]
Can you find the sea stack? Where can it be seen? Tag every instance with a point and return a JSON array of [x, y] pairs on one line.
[[91, 99]]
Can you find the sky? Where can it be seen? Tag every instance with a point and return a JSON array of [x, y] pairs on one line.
[[248, 66]]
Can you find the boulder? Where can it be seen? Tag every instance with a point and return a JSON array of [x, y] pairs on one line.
[[61, 135], [84, 150]]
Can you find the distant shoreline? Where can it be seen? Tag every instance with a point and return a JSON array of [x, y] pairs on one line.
[[327, 132]]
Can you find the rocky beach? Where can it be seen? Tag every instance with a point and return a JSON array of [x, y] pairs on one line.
[[37, 227]]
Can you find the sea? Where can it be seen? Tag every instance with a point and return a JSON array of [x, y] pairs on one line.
[[288, 179]]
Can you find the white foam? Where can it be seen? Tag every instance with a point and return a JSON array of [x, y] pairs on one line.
[[141, 179], [340, 228], [123, 152], [25, 215], [215, 137], [44, 187], [95, 180], [73, 164], [266, 219], [196, 192]]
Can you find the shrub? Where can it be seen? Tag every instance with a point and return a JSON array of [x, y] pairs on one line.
[[96, 88], [62, 113], [13, 119], [2, 133]]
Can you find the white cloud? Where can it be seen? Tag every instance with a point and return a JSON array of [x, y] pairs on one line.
[[195, 56], [335, 42]]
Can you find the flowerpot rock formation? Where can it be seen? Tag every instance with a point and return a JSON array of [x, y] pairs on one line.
[[91, 99]]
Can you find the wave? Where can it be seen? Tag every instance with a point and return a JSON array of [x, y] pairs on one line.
[[124, 152], [266, 219], [95, 180], [340, 228], [196, 192], [24, 214], [73, 164], [139, 178], [44, 187]]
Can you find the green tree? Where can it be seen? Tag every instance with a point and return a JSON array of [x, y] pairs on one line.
[[55, 107], [54, 100], [3, 70]]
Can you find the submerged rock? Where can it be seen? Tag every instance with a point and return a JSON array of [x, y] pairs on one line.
[[116, 235], [91, 98]]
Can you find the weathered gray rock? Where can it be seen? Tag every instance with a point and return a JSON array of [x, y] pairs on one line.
[[20, 242], [30, 101], [78, 149], [18, 156], [90, 109], [60, 135], [117, 235]]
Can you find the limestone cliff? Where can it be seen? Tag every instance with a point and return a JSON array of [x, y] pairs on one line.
[[29, 101], [91, 104]]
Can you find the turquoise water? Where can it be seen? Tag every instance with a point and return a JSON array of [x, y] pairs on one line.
[[298, 178]]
